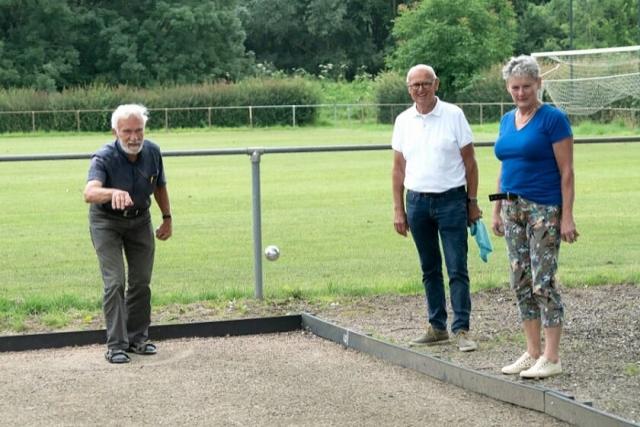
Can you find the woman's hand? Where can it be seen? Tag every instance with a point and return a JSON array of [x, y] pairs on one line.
[[568, 232], [497, 225]]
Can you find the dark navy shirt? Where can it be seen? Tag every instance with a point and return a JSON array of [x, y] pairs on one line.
[[111, 166]]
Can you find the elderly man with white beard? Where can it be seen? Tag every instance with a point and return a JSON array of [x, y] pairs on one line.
[[122, 177]]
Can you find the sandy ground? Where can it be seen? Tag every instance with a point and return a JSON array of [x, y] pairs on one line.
[[263, 380], [600, 346], [298, 379]]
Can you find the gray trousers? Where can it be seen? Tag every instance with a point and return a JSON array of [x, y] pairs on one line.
[[127, 314]]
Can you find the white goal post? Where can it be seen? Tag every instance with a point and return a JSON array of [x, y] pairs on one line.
[[586, 81]]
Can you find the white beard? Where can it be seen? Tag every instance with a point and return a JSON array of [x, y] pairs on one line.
[[127, 150]]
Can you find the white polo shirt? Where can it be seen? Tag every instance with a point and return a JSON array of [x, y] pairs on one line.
[[431, 144]]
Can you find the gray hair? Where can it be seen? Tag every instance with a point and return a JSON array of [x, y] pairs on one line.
[[428, 68], [127, 110], [521, 66]]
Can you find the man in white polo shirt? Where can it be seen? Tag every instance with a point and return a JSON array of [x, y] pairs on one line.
[[434, 161]]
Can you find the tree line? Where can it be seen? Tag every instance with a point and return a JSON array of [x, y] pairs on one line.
[[55, 44]]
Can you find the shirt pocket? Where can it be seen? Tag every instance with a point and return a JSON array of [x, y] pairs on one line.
[[148, 180]]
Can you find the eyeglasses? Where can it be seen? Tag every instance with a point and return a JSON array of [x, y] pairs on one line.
[[421, 85]]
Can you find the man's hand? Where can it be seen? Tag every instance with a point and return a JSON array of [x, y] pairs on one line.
[[400, 223], [165, 230], [474, 212], [120, 200]]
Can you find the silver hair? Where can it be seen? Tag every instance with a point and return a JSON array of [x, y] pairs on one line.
[[127, 110], [421, 67], [521, 66]]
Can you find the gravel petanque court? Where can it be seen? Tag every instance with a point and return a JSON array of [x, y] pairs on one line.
[[259, 380]]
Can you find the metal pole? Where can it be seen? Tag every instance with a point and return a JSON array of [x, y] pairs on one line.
[[570, 24], [257, 222], [293, 115], [166, 119]]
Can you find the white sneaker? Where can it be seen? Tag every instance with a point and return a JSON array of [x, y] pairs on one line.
[[542, 369], [524, 362]]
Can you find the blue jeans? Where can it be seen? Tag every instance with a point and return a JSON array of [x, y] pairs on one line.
[[435, 216]]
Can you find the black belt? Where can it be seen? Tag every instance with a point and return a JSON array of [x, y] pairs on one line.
[[127, 213], [503, 196], [460, 189]]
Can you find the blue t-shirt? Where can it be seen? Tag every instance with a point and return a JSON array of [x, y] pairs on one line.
[[111, 166], [529, 167]]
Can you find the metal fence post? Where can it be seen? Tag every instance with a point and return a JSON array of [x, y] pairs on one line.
[[78, 120], [250, 116], [257, 221], [33, 121], [293, 115], [166, 119]]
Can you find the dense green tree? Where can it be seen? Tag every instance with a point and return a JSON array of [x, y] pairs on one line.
[[37, 44], [275, 32], [193, 43], [537, 29], [311, 34], [51, 44], [596, 23], [544, 25], [456, 37]]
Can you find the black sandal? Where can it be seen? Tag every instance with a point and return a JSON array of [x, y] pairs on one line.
[[115, 355], [144, 348]]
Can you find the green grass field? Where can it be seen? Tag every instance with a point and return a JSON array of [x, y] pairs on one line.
[[330, 214]]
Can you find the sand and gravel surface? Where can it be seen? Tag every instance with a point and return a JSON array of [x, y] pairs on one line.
[[267, 380], [299, 379]]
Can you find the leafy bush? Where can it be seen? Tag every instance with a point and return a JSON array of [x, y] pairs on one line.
[[220, 104], [391, 95], [487, 86]]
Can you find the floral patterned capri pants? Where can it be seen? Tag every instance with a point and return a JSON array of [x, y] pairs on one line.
[[532, 234]]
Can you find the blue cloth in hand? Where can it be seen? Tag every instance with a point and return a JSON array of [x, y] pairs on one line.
[[479, 231]]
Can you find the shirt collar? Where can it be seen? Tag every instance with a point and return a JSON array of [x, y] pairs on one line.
[[437, 109]]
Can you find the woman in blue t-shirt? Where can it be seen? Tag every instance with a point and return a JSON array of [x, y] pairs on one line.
[[534, 211]]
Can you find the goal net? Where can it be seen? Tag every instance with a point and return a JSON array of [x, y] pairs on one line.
[[586, 81]]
